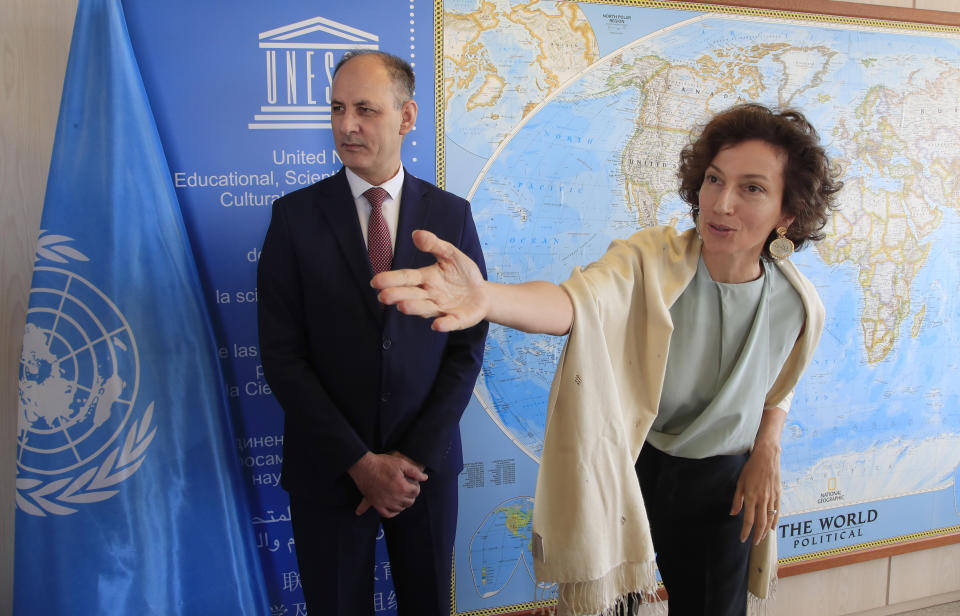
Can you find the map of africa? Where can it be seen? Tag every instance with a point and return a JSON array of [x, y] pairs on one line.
[[563, 125]]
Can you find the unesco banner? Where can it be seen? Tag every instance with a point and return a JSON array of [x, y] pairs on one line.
[[241, 96]]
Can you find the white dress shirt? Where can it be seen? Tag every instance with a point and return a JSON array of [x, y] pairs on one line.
[[391, 205]]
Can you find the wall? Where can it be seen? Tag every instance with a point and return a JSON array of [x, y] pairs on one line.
[[34, 41]]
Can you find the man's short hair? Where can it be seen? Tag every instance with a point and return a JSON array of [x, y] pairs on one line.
[[399, 70]]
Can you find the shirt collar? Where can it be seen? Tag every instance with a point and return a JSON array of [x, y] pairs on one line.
[[358, 185]]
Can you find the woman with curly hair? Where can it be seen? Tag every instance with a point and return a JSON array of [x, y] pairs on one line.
[[684, 349]]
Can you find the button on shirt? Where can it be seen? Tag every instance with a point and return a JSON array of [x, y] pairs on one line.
[[391, 205]]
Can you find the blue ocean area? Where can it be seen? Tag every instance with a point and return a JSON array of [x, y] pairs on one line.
[[545, 206]]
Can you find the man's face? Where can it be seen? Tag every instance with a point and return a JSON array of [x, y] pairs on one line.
[[367, 126]]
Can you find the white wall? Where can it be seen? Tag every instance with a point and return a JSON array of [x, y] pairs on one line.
[[34, 41]]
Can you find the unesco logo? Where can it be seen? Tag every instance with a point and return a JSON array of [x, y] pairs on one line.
[[299, 62], [79, 434]]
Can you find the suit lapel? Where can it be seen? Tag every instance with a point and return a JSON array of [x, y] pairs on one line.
[[414, 210], [337, 206], [415, 206]]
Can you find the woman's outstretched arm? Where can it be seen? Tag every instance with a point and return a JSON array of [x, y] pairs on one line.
[[453, 293]]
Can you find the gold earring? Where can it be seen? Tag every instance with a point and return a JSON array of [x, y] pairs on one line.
[[782, 247]]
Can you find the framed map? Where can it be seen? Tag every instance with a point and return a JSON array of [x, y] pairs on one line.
[[562, 123]]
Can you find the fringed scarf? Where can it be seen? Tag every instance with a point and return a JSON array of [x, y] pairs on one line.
[[590, 531]]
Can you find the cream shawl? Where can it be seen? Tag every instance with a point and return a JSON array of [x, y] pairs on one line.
[[590, 531]]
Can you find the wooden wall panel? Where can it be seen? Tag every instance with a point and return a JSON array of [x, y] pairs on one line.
[[938, 5], [921, 574], [34, 41]]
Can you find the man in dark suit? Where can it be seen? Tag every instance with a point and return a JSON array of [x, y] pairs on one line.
[[372, 398]]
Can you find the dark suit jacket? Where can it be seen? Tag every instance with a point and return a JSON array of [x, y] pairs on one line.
[[350, 375]]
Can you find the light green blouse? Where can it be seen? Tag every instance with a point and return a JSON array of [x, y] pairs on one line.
[[728, 345]]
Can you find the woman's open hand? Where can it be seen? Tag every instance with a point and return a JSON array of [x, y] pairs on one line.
[[452, 291]]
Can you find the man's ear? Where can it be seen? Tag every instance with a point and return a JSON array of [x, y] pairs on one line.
[[408, 116]]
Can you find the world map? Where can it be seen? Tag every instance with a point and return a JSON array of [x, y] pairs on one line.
[[563, 125]]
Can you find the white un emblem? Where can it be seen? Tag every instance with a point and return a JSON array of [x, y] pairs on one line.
[[78, 433]]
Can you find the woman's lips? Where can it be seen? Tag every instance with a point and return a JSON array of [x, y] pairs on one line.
[[722, 229]]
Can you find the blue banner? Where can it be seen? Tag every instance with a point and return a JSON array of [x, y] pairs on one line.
[[241, 96], [129, 495]]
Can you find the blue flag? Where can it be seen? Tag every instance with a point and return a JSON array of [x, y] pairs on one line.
[[129, 494]]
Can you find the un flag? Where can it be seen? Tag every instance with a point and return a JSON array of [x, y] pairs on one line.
[[129, 495]]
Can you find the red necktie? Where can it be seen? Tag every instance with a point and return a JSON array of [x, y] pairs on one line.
[[379, 246]]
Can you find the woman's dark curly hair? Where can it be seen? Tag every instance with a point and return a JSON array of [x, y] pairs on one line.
[[810, 182]]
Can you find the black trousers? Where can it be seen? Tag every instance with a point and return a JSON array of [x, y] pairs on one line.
[[701, 560], [336, 551]]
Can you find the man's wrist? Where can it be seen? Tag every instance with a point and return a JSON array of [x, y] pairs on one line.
[[360, 465]]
